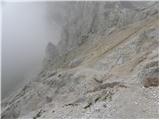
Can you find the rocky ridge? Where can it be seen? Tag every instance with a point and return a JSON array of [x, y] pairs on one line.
[[105, 66]]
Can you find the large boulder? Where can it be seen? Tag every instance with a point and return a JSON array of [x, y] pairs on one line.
[[150, 74]]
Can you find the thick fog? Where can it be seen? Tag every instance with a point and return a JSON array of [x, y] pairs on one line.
[[26, 30]]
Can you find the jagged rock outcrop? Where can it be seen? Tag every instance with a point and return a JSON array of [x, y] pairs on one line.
[[51, 55], [51, 51], [105, 66]]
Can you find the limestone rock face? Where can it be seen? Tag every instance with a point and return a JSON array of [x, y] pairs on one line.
[[105, 65], [88, 18]]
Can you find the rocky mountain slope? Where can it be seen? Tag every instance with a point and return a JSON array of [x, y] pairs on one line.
[[105, 66]]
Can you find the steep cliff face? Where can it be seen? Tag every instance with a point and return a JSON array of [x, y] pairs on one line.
[[88, 18], [105, 66], [83, 21]]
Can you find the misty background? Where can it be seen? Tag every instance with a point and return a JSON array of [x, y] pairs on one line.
[[26, 31]]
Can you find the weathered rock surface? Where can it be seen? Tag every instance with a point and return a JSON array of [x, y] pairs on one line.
[[106, 66]]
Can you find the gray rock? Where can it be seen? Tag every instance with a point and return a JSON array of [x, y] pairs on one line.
[[107, 51]]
